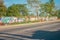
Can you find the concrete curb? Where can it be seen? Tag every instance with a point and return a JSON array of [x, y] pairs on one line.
[[9, 26]]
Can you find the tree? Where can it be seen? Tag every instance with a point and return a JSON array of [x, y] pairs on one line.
[[34, 4], [42, 10], [51, 6], [2, 10], [58, 13], [22, 9], [47, 8], [12, 11], [17, 10]]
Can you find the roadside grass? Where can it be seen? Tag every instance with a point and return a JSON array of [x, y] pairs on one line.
[[25, 22]]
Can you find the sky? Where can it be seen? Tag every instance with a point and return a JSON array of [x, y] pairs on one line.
[[10, 2]]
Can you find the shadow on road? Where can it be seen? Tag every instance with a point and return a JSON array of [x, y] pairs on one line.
[[46, 35], [39, 34]]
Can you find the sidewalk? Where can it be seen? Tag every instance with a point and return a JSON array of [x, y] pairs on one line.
[[12, 26]]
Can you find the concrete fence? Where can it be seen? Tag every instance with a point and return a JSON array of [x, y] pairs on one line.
[[15, 19]]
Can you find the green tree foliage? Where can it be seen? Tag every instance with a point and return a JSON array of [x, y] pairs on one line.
[[42, 10], [2, 10], [22, 9], [48, 8], [58, 13], [17, 10], [13, 11]]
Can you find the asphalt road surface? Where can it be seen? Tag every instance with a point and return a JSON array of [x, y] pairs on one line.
[[46, 31]]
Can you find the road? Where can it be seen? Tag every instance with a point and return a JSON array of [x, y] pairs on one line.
[[46, 31]]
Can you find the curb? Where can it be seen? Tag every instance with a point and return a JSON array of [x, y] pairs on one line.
[[9, 26]]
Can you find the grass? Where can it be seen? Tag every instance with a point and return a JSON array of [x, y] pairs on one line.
[[23, 22]]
